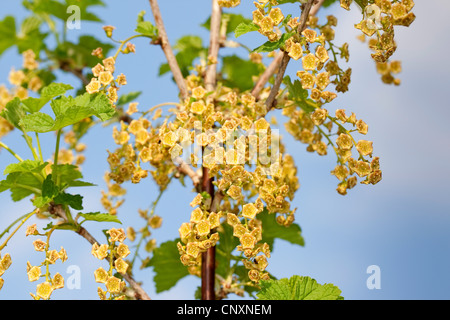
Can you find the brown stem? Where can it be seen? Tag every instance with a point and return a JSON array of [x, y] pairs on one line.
[[167, 49], [208, 257]]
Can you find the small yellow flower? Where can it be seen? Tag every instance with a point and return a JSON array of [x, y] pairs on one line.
[[169, 139], [105, 77], [322, 54], [276, 15], [100, 252], [121, 79], [344, 141], [185, 230], [341, 172], [16, 77], [155, 222], [101, 293], [364, 147], [192, 249], [58, 281], [116, 234], [97, 69], [196, 215], [120, 265], [44, 290], [214, 220], [52, 256], [109, 64], [307, 79], [113, 285], [34, 273], [197, 200], [93, 86], [248, 241], [310, 62], [203, 228], [249, 211], [31, 230], [198, 92], [310, 35], [132, 108], [109, 30], [295, 51], [39, 245], [122, 250], [198, 107], [101, 275]]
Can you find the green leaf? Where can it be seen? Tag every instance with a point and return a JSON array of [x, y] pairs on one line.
[[100, 217], [21, 185], [37, 122], [362, 3], [232, 21], [271, 230], [47, 93], [14, 112], [25, 166], [189, 48], [62, 226], [147, 28], [129, 97], [298, 94], [49, 191], [297, 288], [328, 3], [238, 72], [7, 33], [78, 183], [49, 188], [167, 266], [272, 46], [69, 111], [244, 28], [74, 201], [227, 244]]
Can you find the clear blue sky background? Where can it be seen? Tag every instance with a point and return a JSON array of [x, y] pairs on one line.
[[400, 225]]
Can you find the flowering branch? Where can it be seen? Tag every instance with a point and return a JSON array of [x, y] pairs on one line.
[[307, 10]]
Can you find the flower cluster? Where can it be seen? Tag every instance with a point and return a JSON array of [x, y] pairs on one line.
[[242, 154], [104, 81], [5, 263], [22, 80], [310, 122], [229, 3], [268, 19], [378, 24], [115, 251], [45, 289]]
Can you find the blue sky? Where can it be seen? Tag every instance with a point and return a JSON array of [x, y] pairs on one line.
[[400, 225]]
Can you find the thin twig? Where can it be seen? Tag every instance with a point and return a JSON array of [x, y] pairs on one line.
[[59, 211], [140, 294], [186, 169], [214, 46], [167, 49], [264, 78]]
